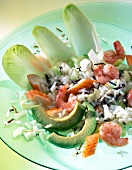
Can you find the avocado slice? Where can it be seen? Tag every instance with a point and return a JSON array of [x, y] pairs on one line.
[[79, 138], [59, 124]]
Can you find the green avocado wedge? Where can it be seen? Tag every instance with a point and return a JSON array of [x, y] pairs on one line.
[[59, 124], [79, 138]]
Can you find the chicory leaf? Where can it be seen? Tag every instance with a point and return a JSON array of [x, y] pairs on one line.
[[51, 45], [18, 61], [81, 31]]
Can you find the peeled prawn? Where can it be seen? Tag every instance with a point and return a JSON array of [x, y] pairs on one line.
[[118, 48], [106, 73], [62, 102], [110, 133], [111, 56]]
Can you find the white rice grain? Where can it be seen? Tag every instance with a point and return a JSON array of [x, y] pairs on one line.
[[13, 101], [20, 115], [53, 87], [63, 112], [6, 123], [18, 132], [28, 136], [48, 126], [18, 122], [106, 96], [112, 100], [60, 115], [30, 124], [7, 113], [130, 118]]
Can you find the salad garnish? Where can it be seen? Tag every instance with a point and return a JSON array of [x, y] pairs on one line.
[[74, 95]]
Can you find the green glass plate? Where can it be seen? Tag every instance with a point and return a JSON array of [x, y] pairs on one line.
[[110, 27]]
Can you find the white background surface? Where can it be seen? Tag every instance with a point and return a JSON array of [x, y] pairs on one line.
[[13, 13]]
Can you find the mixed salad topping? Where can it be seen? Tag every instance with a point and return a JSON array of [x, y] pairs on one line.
[[74, 92]]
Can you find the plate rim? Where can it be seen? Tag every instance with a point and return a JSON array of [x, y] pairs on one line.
[[3, 41]]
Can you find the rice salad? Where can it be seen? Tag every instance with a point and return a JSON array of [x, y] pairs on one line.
[[98, 80]]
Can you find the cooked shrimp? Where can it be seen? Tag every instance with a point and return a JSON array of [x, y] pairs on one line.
[[129, 98], [61, 100], [118, 48], [108, 72], [111, 56], [110, 133]]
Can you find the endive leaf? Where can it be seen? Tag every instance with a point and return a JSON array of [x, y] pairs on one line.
[[51, 45], [18, 62], [81, 31]]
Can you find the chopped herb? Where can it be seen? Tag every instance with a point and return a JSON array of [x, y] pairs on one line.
[[99, 64], [47, 77], [14, 109], [50, 86], [11, 110], [87, 92], [58, 29], [112, 83], [98, 85], [116, 88], [61, 68], [74, 82], [35, 46], [78, 149], [107, 119], [62, 35], [9, 121], [37, 134], [124, 123], [94, 77], [79, 68], [37, 50]]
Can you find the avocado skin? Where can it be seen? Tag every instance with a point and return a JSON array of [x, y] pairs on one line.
[[79, 138], [59, 124]]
